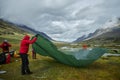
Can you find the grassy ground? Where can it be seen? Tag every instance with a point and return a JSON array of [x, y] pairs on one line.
[[45, 68]]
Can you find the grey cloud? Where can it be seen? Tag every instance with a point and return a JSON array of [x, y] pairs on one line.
[[74, 17]]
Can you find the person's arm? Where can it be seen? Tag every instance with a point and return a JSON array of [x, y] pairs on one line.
[[33, 40], [9, 45]]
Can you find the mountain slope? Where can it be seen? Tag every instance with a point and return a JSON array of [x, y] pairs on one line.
[[111, 31], [110, 39], [23, 27], [9, 29], [114, 33]]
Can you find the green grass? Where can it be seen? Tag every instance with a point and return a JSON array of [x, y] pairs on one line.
[[45, 68]]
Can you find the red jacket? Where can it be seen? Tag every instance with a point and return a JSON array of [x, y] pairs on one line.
[[84, 46], [5, 46], [24, 46]]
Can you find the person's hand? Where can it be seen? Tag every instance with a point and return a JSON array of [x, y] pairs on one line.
[[36, 35]]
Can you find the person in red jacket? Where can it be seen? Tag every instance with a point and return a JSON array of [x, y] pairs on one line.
[[84, 46], [24, 47], [5, 51], [5, 46]]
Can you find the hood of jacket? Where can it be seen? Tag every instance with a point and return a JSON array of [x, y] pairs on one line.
[[26, 37]]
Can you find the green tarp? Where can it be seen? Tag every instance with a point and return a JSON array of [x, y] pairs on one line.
[[82, 57]]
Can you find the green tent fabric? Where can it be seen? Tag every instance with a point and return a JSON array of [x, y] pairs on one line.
[[73, 58]]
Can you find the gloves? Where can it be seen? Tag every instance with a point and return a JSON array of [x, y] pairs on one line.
[[36, 35]]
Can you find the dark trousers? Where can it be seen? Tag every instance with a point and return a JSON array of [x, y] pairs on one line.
[[2, 58], [24, 67]]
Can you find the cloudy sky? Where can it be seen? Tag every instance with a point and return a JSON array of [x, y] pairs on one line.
[[63, 20]]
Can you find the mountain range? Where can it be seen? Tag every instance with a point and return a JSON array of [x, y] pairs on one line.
[[26, 28], [7, 28], [110, 32], [10, 28]]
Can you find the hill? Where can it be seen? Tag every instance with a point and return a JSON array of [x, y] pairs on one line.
[[110, 39], [7, 28], [109, 34], [33, 31], [106, 34]]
